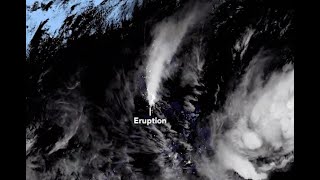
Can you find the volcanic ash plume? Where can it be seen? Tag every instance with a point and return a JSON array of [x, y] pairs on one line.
[[167, 37]]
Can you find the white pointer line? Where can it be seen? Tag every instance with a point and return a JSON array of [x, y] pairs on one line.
[[149, 110]]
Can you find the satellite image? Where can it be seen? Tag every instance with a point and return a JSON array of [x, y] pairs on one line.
[[160, 89]]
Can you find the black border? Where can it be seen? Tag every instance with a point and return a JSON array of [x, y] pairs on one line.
[[12, 86]]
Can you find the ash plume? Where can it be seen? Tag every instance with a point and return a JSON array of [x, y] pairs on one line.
[[167, 37]]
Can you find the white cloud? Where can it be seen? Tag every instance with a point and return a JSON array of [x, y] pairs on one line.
[[262, 122]]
